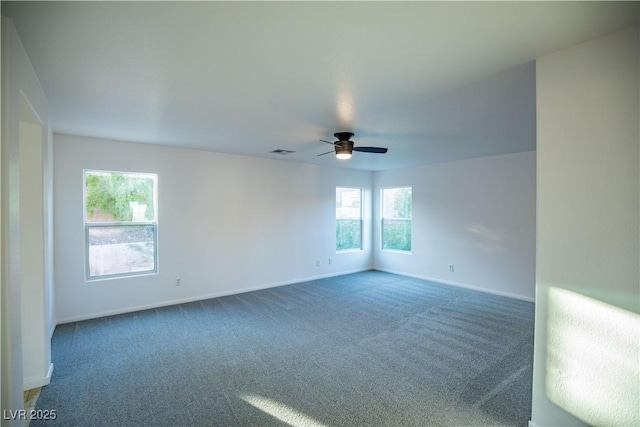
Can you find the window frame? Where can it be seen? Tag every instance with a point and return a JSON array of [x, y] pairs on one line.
[[383, 218], [87, 225], [360, 219]]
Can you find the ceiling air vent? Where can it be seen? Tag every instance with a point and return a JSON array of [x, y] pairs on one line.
[[282, 152]]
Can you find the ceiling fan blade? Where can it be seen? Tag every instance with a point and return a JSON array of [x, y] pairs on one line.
[[332, 143], [332, 151], [371, 149]]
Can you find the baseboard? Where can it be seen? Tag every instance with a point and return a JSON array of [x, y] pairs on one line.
[[459, 285], [38, 381], [49, 374], [531, 424], [201, 297]]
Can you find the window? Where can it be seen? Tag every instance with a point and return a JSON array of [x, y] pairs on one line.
[[348, 219], [396, 218], [120, 223]]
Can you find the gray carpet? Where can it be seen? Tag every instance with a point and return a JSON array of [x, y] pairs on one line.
[[362, 349]]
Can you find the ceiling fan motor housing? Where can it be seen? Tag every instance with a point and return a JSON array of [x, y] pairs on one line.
[[344, 146], [343, 136]]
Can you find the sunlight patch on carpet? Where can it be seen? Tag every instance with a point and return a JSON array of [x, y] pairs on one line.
[[280, 411]]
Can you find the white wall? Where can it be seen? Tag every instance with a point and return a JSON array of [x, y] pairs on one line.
[[587, 275], [23, 101], [477, 214], [226, 224], [34, 336]]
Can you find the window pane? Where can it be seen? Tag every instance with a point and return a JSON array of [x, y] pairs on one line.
[[396, 234], [396, 218], [348, 218], [348, 234], [121, 249], [119, 197], [396, 203]]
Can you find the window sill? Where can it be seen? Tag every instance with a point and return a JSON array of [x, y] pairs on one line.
[[120, 276], [346, 251], [396, 251]]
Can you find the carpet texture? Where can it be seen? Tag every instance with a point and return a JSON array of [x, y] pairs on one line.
[[369, 348]]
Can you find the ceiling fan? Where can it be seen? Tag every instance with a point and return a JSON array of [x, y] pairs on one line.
[[344, 148]]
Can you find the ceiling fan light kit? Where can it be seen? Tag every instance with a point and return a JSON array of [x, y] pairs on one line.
[[344, 146], [343, 153]]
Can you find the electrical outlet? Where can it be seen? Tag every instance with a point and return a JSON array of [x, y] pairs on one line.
[[317, 263], [330, 261], [451, 267], [178, 281]]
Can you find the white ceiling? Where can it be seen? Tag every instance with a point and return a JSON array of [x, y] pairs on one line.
[[432, 81]]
